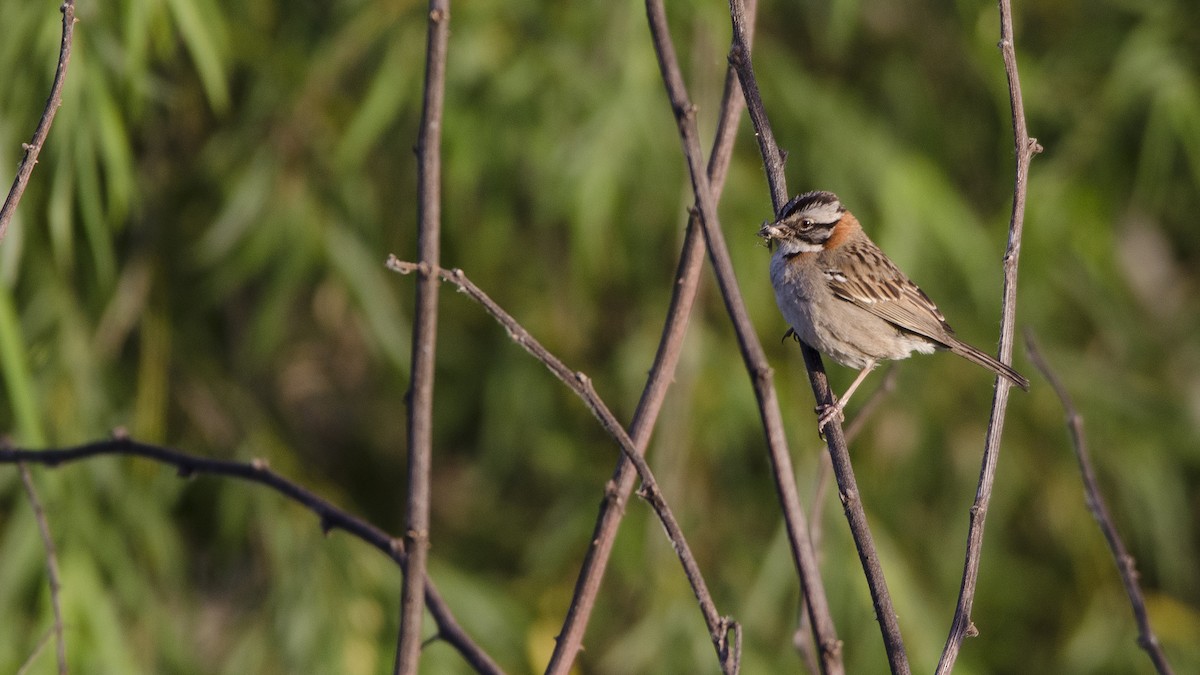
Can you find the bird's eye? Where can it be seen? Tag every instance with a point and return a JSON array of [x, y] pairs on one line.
[[806, 223]]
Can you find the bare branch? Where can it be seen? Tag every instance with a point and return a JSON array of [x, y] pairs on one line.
[[39, 514], [331, 517], [1026, 147], [424, 339], [719, 627], [1126, 565], [839, 452], [752, 353], [34, 147], [687, 277]]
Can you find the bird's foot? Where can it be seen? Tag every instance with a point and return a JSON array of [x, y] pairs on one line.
[[828, 413]]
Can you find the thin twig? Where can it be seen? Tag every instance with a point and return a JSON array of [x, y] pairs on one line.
[[1026, 147], [39, 514], [612, 508], [257, 471], [662, 373], [719, 627], [424, 340], [761, 375], [1126, 565], [839, 452], [34, 147], [47, 635]]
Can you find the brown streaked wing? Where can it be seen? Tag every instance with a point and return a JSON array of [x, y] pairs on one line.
[[867, 278]]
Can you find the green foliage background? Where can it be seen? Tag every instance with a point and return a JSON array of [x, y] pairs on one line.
[[199, 258]]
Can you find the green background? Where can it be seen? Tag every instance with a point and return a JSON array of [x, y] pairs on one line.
[[199, 259]]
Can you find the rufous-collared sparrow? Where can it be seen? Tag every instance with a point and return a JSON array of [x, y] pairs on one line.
[[842, 296]]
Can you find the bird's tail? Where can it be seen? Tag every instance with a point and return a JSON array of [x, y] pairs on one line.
[[972, 354]]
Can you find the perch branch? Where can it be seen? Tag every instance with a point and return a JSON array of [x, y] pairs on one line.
[[801, 639], [1026, 147], [257, 471], [34, 147], [719, 627], [1126, 565], [424, 340], [839, 452]]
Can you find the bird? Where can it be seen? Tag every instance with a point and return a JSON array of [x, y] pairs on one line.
[[841, 295]]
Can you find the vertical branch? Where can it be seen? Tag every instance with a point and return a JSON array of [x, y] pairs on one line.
[[752, 352], [839, 452], [39, 514], [34, 147], [424, 340], [687, 278], [1126, 565], [1026, 147]]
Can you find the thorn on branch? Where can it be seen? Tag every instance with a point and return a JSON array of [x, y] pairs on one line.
[[260, 464], [972, 630]]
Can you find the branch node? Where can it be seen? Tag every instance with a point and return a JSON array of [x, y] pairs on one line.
[[972, 630], [832, 647], [260, 464], [645, 493], [737, 54], [119, 434], [847, 496]]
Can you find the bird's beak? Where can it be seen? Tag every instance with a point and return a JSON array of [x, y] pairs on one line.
[[769, 231]]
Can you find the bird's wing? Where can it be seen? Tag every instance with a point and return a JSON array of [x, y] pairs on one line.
[[863, 275]]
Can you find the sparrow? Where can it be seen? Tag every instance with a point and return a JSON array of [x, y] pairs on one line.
[[842, 296]]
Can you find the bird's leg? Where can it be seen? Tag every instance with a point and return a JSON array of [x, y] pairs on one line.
[[826, 413]]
